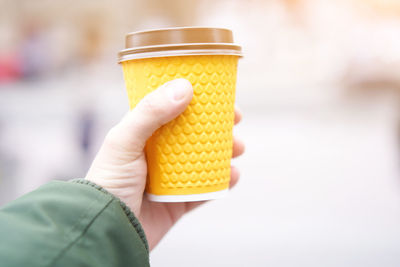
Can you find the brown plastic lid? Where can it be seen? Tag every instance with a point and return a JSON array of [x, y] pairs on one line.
[[183, 41]]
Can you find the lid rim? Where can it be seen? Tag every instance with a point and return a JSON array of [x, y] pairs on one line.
[[179, 53], [183, 47]]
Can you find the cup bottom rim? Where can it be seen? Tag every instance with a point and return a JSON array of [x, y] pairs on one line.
[[187, 198]]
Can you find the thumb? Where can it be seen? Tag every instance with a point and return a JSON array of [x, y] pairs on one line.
[[154, 110]]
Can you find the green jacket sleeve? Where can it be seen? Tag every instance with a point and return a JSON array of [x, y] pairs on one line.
[[74, 223]]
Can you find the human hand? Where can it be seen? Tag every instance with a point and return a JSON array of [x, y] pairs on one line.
[[120, 165]]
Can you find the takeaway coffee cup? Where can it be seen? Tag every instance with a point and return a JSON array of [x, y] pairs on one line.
[[188, 158]]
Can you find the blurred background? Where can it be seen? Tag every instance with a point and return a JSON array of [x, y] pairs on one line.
[[319, 87]]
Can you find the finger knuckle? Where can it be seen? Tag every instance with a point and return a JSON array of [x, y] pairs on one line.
[[120, 139], [150, 107]]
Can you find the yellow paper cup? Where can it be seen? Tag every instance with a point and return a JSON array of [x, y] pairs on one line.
[[188, 158]]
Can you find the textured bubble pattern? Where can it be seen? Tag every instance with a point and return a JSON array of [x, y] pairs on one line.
[[192, 153]]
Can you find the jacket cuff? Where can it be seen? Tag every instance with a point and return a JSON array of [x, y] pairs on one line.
[[132, 218]]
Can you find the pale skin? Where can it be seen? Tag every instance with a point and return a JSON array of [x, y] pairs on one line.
[[120, 165]]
